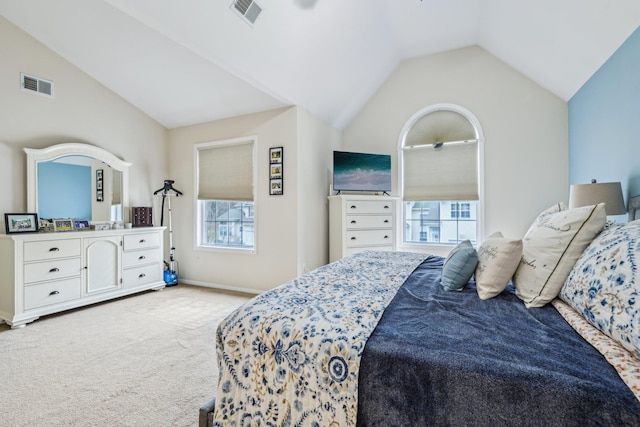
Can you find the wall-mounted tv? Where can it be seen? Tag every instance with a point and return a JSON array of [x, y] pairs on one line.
[[361, 172]]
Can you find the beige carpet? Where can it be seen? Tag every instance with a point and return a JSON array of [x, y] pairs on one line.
[[144, 360]]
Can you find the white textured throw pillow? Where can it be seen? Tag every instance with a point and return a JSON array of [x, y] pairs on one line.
[[498, 258], [551, 248]]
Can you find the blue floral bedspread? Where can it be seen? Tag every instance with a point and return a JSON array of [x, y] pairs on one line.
[[291, 356]]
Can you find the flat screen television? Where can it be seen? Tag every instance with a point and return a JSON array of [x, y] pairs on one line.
[[361, 172]]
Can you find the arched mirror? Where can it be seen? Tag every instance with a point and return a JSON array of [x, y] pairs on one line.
[[76, 180]]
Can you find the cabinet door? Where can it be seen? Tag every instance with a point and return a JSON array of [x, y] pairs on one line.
[[103, 256]]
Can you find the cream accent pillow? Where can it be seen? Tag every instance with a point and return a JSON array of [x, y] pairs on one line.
[[551, 248], [498, 258]]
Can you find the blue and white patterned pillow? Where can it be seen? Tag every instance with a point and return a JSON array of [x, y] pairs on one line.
[[604, 285]]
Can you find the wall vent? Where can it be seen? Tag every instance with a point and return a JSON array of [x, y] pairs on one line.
[[248, 10], [36, 84]]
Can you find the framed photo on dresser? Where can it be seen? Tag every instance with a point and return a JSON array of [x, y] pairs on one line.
[[21, 222]]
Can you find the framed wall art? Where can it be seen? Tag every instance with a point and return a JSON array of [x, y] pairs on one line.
[[276, 167], [99, 181], [21, 222]]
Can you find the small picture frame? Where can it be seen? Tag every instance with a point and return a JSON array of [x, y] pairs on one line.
[[80, 224], [276, 171], [63, 224], [21, 223], [275, 155], [275, 187]]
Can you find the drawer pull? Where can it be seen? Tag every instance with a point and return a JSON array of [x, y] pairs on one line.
[[386, 206], [386, 237], [353, 238], [142, 257], [54, 270], [142, 241], [54, 250], [141, 275], [53, 293], [353, 206], [386, 221], [353, 221]]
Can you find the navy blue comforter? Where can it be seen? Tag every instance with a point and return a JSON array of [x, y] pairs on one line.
[[449, 358]]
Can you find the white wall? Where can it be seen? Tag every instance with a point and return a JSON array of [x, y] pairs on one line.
[[525, 127], [82, 110]]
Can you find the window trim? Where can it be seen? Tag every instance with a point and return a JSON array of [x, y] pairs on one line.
[[480, 213], [197, 226]]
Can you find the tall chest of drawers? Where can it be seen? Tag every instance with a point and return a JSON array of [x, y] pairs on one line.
[[44, 273], [358, 223]]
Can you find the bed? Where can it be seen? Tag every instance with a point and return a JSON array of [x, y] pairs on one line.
[[381, 339]]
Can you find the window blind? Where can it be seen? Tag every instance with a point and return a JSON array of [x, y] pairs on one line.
[[446, 173], [116, 179], [225, 172]]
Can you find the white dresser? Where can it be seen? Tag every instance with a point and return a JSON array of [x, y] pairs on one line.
[[44, 273], [357, 223]]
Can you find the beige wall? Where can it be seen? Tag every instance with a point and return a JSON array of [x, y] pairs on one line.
[[81, 110], [315, 157], [525, 127], [282, 222]]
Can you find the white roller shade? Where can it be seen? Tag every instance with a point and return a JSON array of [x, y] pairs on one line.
[[446, 173], [225, 172]]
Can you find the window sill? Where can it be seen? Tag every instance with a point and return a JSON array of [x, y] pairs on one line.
[[229, 250]]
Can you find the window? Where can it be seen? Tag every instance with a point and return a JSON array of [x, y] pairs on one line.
[[439, 154], [461, 210], [225, 188]]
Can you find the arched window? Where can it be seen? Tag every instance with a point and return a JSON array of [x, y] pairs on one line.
[[440, 156]]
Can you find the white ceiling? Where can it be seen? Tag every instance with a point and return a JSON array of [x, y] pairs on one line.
[[190, 61]]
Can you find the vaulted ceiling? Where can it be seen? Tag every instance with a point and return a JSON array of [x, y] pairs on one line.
[[190, 61]]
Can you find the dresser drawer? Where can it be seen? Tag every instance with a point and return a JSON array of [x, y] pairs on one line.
[[356, 222], [141, 257], [369, 206], [141, 241], [51, 293], [369, 237], [50, 249], [138, 276], [51, 270]]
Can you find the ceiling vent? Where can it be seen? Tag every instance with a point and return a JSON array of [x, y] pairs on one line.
[[36, 84], [248, 10]]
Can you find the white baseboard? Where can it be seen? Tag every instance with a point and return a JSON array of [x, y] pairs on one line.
[[222, 287]]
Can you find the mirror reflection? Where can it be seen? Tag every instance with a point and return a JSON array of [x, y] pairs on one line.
[[80, 187]]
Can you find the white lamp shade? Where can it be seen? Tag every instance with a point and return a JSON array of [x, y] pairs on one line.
[[609, 193]]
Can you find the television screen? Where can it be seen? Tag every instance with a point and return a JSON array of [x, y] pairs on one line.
[[361, 172]]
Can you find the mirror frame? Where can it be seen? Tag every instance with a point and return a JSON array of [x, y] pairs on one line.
[[35, 156]]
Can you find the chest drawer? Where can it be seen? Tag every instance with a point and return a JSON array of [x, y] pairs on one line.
[[141, 241], [50, 249], [137, 276], [355, 222], [51, 270], [369, 206], [51, 293], [141, 257], [369, 237]]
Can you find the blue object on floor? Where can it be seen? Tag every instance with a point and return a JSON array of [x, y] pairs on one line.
[[170, 278]]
